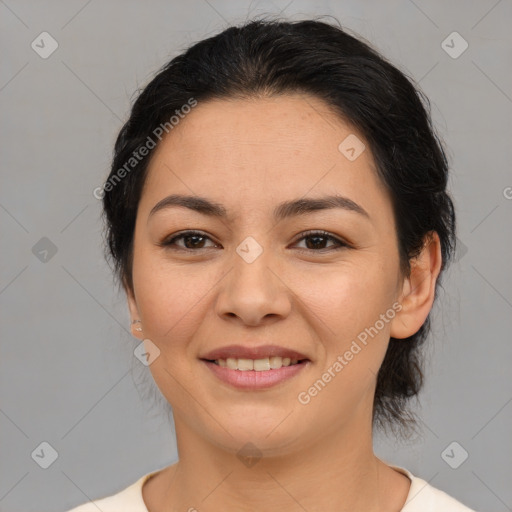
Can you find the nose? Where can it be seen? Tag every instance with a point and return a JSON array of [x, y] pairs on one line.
[[254, 292]]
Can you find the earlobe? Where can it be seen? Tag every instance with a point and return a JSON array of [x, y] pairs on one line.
[[418, 291], [136, 325]]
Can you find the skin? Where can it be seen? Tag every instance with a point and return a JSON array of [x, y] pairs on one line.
[[249, 155]]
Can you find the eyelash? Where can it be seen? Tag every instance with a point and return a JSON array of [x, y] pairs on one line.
[[169, 243]]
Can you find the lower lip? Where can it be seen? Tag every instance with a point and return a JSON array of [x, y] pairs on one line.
[[251, 379]]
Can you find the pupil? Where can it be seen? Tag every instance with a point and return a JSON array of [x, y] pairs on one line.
[[315, 244], [194, 245]]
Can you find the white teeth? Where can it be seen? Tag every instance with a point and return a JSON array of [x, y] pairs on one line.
[[245, 364], [231, 363], [261, 365], [258, 365], [275, 362]]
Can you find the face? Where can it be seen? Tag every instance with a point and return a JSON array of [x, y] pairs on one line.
[[254, 273]]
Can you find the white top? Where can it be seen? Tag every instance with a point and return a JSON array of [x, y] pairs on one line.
[[422, 497]]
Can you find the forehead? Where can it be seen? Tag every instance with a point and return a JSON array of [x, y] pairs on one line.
[[250, 151], [286, 124]]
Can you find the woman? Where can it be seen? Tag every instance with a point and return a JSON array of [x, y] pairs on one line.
[[277, 214]]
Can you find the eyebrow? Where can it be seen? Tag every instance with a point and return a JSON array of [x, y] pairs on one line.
[[284, 210]]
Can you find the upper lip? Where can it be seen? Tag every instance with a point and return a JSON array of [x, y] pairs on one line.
[[245, 352]]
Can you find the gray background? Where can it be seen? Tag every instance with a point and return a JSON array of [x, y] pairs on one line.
[[68, 375]]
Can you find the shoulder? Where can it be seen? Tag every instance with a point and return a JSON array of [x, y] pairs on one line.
[[128, 500], [423, 497]]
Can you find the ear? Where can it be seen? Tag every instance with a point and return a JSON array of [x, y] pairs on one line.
[[134, 313], [418, 290]]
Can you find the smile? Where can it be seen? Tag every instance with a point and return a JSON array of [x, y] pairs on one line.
[[246, 376]]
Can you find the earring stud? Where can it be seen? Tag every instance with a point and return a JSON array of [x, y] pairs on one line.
[[138, 329]]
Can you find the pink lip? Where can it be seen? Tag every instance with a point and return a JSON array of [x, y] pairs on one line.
[[253, 380], [247, 352]]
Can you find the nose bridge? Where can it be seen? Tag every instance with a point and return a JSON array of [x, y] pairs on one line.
[[251, 265], [252, 290]]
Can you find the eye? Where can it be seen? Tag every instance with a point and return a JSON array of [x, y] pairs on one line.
[[191, 239], [317, 240]]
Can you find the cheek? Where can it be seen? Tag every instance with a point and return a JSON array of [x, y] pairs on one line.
[[345, 307], [347, 304], [347, 297], [171, 307], [168, 295], [172, 301]]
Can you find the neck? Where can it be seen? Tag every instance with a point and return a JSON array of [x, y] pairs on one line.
[[338, 471]]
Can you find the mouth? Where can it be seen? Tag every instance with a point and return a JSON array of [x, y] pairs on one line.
[[254, 368]]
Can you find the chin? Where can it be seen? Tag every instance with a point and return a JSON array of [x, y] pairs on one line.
[[268, 437]]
